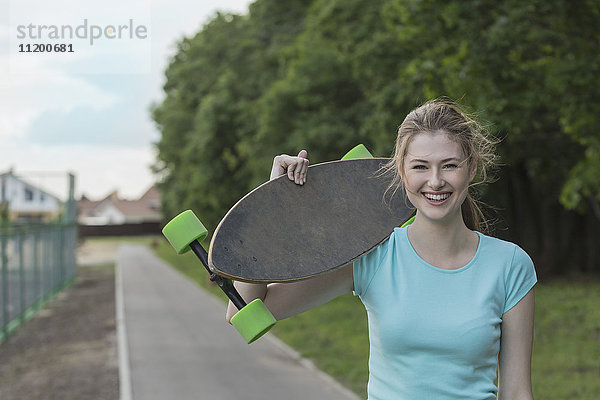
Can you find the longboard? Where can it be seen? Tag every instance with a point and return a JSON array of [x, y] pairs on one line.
[[283, 232]]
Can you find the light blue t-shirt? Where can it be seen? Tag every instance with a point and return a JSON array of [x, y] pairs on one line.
[[435, 333]]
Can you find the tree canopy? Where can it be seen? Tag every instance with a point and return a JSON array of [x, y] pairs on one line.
[[325, 75]]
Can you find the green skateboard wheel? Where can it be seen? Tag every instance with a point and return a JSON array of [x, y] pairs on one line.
[[183, 230], [253, 321], [359, 151]]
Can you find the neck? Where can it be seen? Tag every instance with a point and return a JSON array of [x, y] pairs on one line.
[[441, 237]]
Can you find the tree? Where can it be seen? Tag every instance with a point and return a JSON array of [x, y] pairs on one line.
[[208, 118], [511, 61], [326, 75]]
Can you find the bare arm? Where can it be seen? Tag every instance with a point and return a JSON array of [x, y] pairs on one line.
[[287, 299], [516, 342]]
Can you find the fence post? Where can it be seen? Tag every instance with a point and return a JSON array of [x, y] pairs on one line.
[[4, 262], [62, 267], [70, 225], [36, 268], [56, 258], [48, 263], [22, 302]]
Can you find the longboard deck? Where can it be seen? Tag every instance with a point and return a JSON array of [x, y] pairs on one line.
[[283, 232]]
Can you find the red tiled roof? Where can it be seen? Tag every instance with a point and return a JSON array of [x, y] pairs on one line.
[[146, 208]]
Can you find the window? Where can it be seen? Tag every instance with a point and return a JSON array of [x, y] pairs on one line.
[[28, 194]]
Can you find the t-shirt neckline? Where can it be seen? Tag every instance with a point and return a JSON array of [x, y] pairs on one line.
[[442, 270]]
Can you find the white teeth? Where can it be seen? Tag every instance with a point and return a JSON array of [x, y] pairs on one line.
[[437, 197]]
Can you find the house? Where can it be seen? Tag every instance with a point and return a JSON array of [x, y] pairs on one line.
[[24, 202], [113, 215]]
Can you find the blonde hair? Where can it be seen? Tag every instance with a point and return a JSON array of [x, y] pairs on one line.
[[444, 115]]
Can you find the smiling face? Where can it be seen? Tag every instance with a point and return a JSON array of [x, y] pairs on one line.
[[436, 175]]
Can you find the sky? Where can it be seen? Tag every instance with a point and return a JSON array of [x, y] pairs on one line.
[[88, 111]]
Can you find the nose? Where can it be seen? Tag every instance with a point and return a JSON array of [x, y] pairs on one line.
[[436, 181]]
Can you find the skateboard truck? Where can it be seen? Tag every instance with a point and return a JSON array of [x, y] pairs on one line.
[[185, 232]]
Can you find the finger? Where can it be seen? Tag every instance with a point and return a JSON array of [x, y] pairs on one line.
[[303, 154], [278, 167], [304, 172], [298, 173], [290, 171], [301, 171]]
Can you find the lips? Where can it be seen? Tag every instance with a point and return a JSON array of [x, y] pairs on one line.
[[437, 197]]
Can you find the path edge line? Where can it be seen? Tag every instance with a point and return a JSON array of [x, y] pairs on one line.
[[125, 392]]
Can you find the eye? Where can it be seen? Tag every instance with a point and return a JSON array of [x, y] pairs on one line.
[[419, 166], [450, 166]]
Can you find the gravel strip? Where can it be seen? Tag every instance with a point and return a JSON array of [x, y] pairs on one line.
[[68, 350]]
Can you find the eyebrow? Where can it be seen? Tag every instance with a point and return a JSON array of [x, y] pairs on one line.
[[445, 160]]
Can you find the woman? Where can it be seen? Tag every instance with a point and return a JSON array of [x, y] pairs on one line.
[[446, 304]]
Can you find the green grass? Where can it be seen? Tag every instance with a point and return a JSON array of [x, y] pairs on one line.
[[566, 354], [566, 357], [335, 338]]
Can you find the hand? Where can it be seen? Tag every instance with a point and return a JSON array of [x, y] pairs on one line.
[[294, 167]]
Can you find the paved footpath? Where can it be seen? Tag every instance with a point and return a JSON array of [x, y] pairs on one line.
[[176, 344]]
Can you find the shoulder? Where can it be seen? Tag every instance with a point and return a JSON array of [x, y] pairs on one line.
[[510, 256], [373, 257], [498, 245], [387, 244], [516, 268], [503, 250], [367, 266]]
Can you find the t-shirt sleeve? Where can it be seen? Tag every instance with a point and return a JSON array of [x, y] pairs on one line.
[[519, 279], [365, 268]]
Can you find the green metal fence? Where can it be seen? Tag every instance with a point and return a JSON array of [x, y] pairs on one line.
[[36, 262]]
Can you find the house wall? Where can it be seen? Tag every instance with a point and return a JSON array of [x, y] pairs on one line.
[[26, 201], [107, 214]]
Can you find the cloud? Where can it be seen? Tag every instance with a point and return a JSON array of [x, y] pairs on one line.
[[97, 125], [26, 97], [98, 170], [113, 127]]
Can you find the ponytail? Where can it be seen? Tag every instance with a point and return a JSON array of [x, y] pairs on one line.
[[473, 216]]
